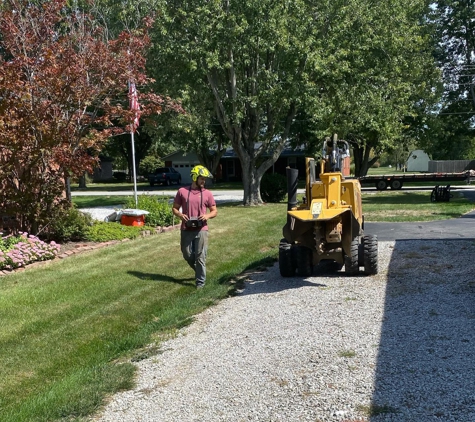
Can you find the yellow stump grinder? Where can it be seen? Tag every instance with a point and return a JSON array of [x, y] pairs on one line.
[[327, 227]]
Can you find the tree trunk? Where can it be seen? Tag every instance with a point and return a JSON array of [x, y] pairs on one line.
[[363, 163], [251, 183], [67, 190], [82, 181]]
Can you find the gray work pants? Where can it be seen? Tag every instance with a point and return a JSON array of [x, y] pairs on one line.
[[194, 246]]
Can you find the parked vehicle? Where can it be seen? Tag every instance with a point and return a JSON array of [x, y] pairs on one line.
[[164, 176]]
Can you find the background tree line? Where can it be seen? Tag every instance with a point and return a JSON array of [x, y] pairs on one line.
[[254, 75]]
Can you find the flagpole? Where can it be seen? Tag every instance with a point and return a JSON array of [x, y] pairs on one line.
[[134, 105], [133, 168]]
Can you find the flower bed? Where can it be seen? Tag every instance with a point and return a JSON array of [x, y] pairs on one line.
[[23, 249]]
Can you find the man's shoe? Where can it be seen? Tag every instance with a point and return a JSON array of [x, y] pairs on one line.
[[200, 285]]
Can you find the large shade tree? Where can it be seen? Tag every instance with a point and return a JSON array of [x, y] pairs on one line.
[[251, 59], [63, 92], [451, 134], [150, 139], [382, 72], [353, 67]]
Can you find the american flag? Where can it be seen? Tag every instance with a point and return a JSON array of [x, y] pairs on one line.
[[134, 105]]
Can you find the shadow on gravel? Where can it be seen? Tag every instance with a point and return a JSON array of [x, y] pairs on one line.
[[425, 367], [263, 282]]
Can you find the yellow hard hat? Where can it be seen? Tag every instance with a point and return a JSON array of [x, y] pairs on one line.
[[199, 171]]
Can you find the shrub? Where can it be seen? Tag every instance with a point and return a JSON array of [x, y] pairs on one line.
[[8, 242], [273, 187], [101, 231], [19, 251], [149, 164], [69, 225], [160, 209]]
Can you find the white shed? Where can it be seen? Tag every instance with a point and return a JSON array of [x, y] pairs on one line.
[[418, 160]]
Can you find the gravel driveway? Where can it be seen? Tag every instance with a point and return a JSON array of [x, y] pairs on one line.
[[398, 346]]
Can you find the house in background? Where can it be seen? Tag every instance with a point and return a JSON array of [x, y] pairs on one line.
[[229, 168], [182, 162]]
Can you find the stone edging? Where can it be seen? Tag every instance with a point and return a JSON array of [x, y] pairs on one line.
[[81, 247]]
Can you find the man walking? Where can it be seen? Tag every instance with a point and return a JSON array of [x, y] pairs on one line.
[[194, 205]]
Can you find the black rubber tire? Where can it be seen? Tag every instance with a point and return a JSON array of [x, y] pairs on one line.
[[179, 181], [396, 184], [351, 261], [151, 184], [304, 260], [370, 244], [286, 260], [381, 185]]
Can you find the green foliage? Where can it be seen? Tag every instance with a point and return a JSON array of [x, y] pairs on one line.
[[160, 209], [149, 164], [273, 187], [354, 67], [101, 231], [246, 64], [7, 243], [47, 138], [68, 225]]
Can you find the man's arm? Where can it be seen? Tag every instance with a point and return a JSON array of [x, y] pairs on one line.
[[213, 212], [176, 211]]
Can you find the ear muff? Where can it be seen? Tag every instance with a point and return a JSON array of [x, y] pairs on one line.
[[199, 170]]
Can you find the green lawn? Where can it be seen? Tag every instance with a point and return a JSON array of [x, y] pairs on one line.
[[99, 201], [412, 206], [394, 206], [384, 170], [70, 328]]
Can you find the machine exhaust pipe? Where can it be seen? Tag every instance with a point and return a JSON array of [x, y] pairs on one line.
[[292, 183]]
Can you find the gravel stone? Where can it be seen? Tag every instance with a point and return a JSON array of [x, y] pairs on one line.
[[397, 346]]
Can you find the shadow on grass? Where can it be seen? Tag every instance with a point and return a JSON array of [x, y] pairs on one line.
[[162, 277]]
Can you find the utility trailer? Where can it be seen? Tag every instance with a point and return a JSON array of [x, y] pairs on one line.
[[396, 181]]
